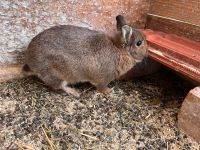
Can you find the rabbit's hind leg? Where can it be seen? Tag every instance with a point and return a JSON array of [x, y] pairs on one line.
[[58, 84], [69, 90]]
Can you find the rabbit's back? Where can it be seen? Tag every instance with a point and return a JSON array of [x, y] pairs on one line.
[[68, 38]]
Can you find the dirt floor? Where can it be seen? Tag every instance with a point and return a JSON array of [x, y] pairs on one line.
[[139, 114]]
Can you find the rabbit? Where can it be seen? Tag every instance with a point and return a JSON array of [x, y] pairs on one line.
[[64, 55]]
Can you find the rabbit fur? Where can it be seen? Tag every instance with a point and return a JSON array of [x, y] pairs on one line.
[[67, 54]]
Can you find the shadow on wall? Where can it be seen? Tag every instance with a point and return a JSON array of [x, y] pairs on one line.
[[146, 67]]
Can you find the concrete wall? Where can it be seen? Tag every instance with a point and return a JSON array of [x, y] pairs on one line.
[[21, 20]]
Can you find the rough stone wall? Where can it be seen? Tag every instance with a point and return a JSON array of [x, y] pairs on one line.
[[21, 20]]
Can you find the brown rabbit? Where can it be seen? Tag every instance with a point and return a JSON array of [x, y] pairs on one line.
[[67, 54]]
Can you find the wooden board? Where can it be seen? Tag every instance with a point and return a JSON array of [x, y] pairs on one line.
[[184, 10], [177, 53], [173, 27]]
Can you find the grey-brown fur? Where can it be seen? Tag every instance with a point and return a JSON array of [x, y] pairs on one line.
[[68, 54]]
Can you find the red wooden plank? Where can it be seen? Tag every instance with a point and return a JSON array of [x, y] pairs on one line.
[[178, 53]]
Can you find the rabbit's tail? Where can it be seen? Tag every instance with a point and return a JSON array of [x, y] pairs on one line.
[[27, 71]]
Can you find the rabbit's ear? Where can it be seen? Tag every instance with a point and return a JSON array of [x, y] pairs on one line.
[[120, 22], [127, 32]]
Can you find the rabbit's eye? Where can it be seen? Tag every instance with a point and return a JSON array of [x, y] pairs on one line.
[[139, 43]]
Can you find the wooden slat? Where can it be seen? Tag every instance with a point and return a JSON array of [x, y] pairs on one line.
[[10, 72], [184, 10], [173, 27], [177, 53]]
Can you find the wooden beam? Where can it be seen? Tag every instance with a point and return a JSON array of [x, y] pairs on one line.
[[10, 72], [170, 26], [177, 53], [185, 10]]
